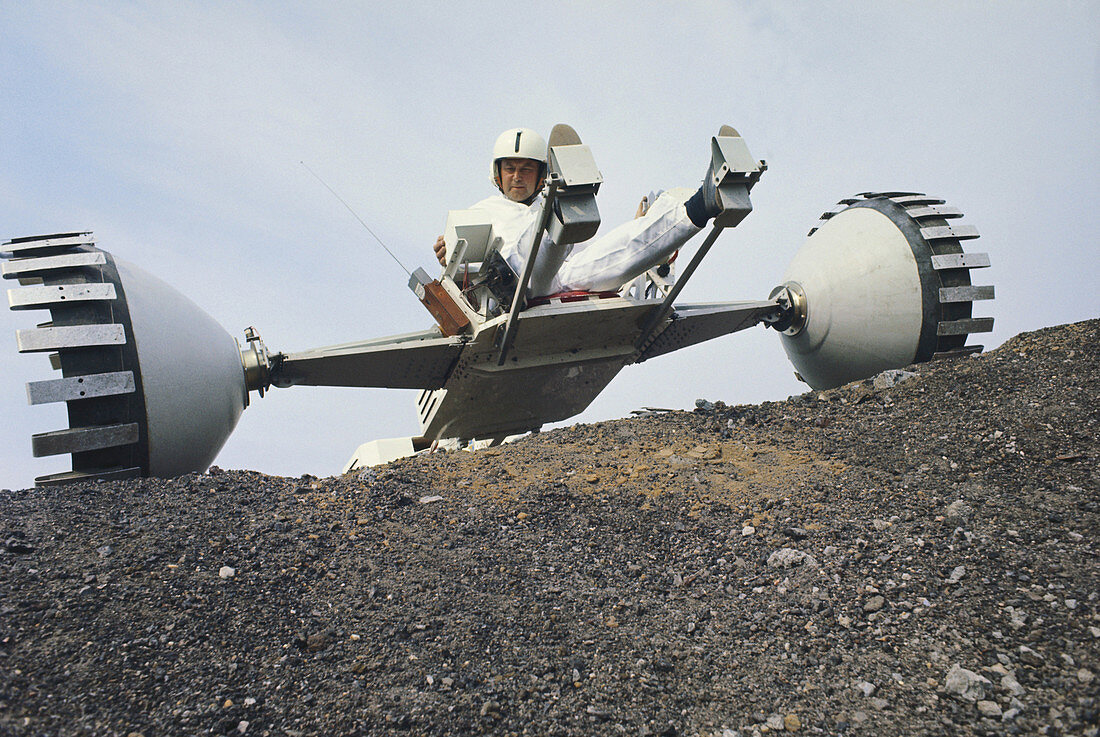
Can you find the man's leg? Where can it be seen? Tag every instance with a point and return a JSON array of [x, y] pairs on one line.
[[611, 260], [635, 247]]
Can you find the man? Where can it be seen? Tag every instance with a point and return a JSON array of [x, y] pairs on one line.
[[519, 177], [604, 263]]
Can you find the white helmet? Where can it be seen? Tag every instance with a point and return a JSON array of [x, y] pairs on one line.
[[518, 143]]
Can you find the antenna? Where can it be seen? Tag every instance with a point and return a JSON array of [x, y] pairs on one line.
[[356, 216]]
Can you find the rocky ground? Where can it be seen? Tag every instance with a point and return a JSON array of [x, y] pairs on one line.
[[910, 559]]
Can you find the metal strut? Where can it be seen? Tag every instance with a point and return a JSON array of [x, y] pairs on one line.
[[661, 311], [733, 172], [518, 301], [572, 183]]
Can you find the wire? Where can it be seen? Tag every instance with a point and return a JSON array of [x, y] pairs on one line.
[[356, 216]]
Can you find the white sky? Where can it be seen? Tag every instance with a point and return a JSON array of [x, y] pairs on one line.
[[174, 131]]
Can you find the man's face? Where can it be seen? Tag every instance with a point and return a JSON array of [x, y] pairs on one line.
[[519, 178]]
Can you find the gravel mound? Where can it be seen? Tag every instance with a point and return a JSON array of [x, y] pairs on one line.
[[911, 555]]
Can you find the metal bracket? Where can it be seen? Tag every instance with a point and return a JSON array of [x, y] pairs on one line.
[[734, 172], [456, 259], [256, 362], [793, 310], [575, 217]]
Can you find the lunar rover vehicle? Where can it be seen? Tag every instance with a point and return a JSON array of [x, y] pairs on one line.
[[154, 386]]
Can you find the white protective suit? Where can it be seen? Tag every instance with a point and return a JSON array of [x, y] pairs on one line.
[[603, 263]]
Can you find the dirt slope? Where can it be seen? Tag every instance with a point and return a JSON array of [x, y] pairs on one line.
[[918, 559]]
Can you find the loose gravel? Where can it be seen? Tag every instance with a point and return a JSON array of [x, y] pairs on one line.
[[912, 555]]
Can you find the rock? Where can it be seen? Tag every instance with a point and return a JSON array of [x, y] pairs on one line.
[[704, 405], [430, 499], [866, 687], [774, 722], [891, 378], [601, 714], [104, 550], [11, 545], [790, 557], [1010, 684], [874, 604], [320, 640], [227, 572], [242, 726], [792, 723], [965, 684], [748, 530], [879, 703], [958, 508], [705, 452], [1030, 657], [956, 574], [989, 709], [1084, 675]]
